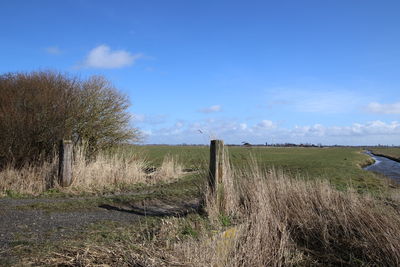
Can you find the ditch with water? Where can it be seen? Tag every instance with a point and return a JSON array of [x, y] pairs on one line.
[[385, 166]]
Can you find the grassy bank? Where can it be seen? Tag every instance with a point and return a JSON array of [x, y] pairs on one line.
[[389, 152]]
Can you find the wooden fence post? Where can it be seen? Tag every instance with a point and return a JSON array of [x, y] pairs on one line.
[[217, 161], [65, 163]]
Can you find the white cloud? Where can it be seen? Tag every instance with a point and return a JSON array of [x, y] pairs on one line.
[[53, 50], [373, 132], [103, 57], [211, 109], [207, 129], [375, 107]]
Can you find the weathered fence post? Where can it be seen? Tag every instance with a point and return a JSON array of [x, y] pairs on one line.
[[217, 162], [65, 163]]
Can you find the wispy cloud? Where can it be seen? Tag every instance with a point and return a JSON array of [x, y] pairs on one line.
[[149, 119], [266, 124], [376, 107], [103, 57], [315, 101], [53, 50], [211, 109]]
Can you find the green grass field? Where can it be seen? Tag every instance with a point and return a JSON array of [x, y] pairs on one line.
[[341, 166]]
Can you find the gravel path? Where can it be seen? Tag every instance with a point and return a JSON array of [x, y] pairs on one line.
[[38, 225], [20, 222]]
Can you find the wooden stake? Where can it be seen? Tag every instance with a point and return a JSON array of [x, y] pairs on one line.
[[216, 178], [65, 163]]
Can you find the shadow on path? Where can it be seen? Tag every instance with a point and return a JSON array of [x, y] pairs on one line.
[[157, 208]]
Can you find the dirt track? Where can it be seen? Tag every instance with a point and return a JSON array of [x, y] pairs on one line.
[[19, 224], [34, 221]]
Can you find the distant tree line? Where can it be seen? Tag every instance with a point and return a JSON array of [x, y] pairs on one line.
[[246, 144], [37, 109]]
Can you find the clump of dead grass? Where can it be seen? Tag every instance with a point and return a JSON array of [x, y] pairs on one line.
[[106, 172], [150, 243], [95, 255], [284, 221], [170, 168], [30, 179]]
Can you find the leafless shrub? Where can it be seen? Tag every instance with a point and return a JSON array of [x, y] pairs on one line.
[[38, 109]]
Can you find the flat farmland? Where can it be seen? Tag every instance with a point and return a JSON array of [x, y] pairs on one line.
[[341, 166]]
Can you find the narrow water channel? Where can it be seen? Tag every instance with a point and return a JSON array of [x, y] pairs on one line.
[[385, 166]]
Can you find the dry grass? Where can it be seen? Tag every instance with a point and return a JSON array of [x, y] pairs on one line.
[[281, 221], [29, 179], [275, 220], [170, 168], [93, 255], [107, 172]]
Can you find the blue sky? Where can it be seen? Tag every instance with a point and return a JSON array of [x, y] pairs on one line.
[[256, 71]]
